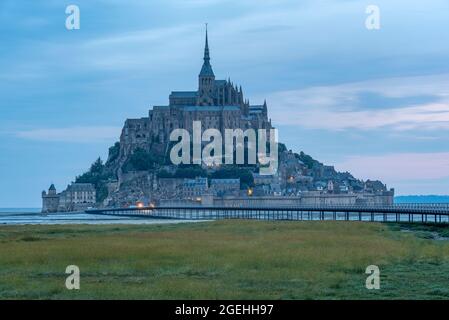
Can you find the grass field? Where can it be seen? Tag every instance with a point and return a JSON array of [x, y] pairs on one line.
[[225, 260]]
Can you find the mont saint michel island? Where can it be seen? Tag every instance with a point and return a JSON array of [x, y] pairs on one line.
[[139, 170]]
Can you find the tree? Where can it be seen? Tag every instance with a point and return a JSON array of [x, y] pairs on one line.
[[141, 160], [308, 160], [114, 152], [232, 172], [164, 174], [190, 172], [98, 176], [281, 147]]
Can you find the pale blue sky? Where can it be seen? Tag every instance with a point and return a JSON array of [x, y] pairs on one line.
[[375, 102]]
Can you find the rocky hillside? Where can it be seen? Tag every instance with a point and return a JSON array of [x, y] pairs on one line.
[[132, 174]]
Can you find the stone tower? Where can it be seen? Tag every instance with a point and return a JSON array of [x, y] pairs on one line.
[[206, 79], [50, 200]]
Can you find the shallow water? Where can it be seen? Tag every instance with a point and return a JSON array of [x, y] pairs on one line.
[[23, 217]]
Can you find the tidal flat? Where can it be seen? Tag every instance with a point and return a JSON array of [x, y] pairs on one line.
[[231, 259]]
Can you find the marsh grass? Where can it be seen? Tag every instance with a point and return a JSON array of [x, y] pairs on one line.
[[222, 260]]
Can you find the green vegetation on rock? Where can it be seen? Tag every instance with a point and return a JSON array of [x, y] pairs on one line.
[[98, 175], [141, 160], [308, 160], [234, 172], [114, 152]]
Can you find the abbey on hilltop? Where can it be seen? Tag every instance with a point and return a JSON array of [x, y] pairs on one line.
[[139, 170], [218, 104]]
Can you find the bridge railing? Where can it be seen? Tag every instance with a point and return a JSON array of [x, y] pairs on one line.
[[385, 213], [440, 207]]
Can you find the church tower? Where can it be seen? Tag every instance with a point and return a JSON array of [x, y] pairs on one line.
[[206, 79]]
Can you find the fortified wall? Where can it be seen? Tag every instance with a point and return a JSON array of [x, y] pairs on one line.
[[308, 199]]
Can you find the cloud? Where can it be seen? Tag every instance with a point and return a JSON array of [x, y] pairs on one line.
[[148, 46], [72, 134], [398, 166], [339, 107]]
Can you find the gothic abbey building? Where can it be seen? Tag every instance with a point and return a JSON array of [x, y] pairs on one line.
[[218, 104]]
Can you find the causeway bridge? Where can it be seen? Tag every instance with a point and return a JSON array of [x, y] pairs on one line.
[[419, 213]]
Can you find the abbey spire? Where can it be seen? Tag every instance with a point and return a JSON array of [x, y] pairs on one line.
[[206, 70], [206, 48], [206, 78]]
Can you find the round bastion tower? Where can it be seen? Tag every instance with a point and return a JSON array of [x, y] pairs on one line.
[[50, 200]]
